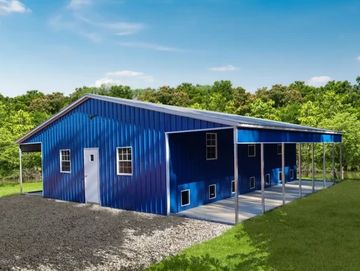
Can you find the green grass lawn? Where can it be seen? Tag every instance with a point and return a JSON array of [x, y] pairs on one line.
[[319, 232], [7, 189]]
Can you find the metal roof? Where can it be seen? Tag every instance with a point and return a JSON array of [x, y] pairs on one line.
[[211, 116]]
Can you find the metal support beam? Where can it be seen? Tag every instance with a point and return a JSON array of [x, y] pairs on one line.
[[167, 157], [236, 175], [283, 171], [333, 163], [262, 178], [341, 163], [313, 167], [20, 171], [324, 165], [300, 171]]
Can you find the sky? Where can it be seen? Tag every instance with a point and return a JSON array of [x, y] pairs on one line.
[[60, 45]]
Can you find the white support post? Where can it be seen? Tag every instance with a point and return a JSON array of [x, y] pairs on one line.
[[20, 171], [283, 171], [341, 163], [262, 178], [167, 157], [333, 162], [300, 171], [313, 167], [324, 165], [236, 175]]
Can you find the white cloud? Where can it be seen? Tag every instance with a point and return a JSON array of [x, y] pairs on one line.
[[78, 4], [12, 6], [122, 28], [151, 46], [358, 58], [92, 29], [125, 77], [226, 68], [317, 81]]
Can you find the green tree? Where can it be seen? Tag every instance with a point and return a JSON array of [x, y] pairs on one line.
[[349, 124], [264, 110], [120, 92]]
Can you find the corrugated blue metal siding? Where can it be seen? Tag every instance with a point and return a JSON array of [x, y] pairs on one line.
[[107, 126], [189, 168]]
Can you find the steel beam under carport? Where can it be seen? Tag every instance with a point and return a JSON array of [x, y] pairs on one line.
[[236, 175]]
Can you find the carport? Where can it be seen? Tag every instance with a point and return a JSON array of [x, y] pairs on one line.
[[242, 206]]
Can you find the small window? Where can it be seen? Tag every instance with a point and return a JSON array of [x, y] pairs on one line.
[[280, 176], [124, 161], [279, 149], [251, 150], [292, 174], [211, 146], [252, 182], [65, 161], [212, 191], [91, 158], [233, 186], [267, 179], [185, 197]]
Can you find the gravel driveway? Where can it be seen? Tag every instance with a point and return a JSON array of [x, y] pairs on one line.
[[43, 234]]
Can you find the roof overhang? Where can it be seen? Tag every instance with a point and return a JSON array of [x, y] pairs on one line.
[[30, 147]]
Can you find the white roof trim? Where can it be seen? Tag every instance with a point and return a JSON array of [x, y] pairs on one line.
[[221, 118]]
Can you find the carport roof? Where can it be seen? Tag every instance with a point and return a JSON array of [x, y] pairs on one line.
[[211, 116]]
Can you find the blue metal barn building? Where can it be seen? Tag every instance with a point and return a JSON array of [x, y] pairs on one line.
[[161, 159]]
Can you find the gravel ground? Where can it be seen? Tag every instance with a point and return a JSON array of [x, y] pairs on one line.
[[43, 234]]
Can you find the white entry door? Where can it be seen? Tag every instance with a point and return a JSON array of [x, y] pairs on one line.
[[92, 175]]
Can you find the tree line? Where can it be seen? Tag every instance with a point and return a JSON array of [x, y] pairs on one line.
[[334, 106]]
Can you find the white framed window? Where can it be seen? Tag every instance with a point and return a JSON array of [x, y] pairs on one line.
[[232, 186], [280, 176], [292, 175], [279, 149], [124, 161], [267, 179], [65, 161], [252, 183], [252, 150], [212, 191], [185, 197], [211, 146]]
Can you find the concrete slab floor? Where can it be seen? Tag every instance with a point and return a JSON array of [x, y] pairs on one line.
[[223, 211]]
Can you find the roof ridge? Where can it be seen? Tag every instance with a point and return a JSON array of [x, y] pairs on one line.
[[205, 115]]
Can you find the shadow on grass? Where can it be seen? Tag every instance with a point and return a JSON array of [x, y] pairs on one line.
[[249, 255], [199, 263], [319, 232]]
